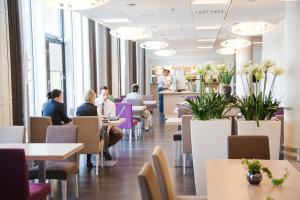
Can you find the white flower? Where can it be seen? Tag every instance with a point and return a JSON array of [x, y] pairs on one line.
[[222, 68], [267, 64], [247, 69], [258, 72], [201, 71], [277, 71]]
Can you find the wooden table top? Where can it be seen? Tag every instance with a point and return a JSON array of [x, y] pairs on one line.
[[46, 151], [173, 121], [226, 179], [149, 103]]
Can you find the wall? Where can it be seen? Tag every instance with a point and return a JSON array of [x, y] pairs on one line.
[[5, 88]]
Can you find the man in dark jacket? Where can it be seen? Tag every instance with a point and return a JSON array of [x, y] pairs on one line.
[[56, 109]]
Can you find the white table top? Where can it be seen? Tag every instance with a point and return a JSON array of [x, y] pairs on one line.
[[149, 103], [175, 121], [226, 179], [138, 108], [46, 151]]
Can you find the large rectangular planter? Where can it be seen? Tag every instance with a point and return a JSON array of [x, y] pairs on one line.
[[209, 141], [270, 128]]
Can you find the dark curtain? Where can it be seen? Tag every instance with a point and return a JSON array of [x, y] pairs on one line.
[[109, 59], [132, 62], [16, 62], [93, 57]]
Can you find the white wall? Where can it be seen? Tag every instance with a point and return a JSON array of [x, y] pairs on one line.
[[5, 86]]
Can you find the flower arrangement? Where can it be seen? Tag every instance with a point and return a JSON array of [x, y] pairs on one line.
[[255, 166], [225, 75], [190, 77], [258, 104]]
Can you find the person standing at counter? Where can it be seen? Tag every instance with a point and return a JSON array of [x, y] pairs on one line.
[[164, 82]]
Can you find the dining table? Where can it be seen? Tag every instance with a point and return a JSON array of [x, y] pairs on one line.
[[42, 152], [226, 180]]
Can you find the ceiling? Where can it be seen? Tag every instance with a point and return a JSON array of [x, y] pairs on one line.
[[174, 21]]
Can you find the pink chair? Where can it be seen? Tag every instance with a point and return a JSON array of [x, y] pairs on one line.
[[14, 182], [130, 122]]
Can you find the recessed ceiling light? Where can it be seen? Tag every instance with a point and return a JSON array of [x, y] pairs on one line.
[[236, 43], [115, 20], [226, 51], [197, 2], [206, 40], [165, 53], [131, 33], [75, 4], [205, 47], [252, 28], [154, 45], [208, 27]]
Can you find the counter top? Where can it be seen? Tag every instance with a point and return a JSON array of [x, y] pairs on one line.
[[178, 93]]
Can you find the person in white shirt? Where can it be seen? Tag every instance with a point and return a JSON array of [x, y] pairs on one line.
[[164, 82], [108, 109], [146, 113]]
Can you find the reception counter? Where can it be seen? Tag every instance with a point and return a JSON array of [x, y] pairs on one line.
[[172, 99]]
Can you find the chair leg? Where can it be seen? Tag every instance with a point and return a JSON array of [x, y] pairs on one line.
[[64, 189], [76, 186], [102, 159], [130, 134], [97, 164], [117, 150], [183, 162], [175, 151], [51, 184]]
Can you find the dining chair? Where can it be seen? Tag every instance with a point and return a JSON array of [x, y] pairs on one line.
[[89, 135], [248, 147], [14, 183], [130, 122], [61, 170], [148, 184], [12, 134], [186, 139], [292, 154], [163, 176], [38, 128]]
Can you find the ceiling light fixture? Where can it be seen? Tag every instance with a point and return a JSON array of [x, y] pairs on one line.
[[165, 53], [236, 43], [208, 27], [252, 28], [75, 4], [226, 51], [131, 33], [201, 2], [154, 45], [206, 40], [115, 20]]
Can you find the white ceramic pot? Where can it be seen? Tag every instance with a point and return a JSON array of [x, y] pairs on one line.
[[270, 128], [209, 141]]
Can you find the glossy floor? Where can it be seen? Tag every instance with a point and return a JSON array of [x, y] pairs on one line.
[[120, 181]]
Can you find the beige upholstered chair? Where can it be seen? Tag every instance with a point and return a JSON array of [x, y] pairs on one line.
[[89, 135], [38, 128], [12, 134], [186, 139], [163, 176], [148, 183], [249, 147]]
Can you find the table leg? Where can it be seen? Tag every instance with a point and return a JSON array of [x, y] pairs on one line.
[[42, 171]]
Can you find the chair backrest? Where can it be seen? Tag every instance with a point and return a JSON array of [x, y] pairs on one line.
[[14, 175], [38, 128], [186, 133], [88, 133], [147, 97], [12, 134], [162, 173], [249, 147], [127, 114], [148, 183], [184, 110], [134, 102]]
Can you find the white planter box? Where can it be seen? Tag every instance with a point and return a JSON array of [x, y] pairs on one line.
[[209, 141], [270, 128]]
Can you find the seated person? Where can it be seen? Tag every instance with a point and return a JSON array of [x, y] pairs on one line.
[[108, 109], [48, 99], [88, 109], [56, 109], [135, 95]]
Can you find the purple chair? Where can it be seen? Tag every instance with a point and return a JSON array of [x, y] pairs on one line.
[[14, 182], [126, 109]]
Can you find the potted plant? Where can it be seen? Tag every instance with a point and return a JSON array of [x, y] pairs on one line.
[[208, 75], [225, 77], [209, 133], [254, 175], [259, 105], [191, 78]]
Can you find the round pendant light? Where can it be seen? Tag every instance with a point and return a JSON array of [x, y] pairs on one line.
[[236, 43], [75, 4], [165, 53], [252, 28], [154, 45], [131, 33], [226, 51]]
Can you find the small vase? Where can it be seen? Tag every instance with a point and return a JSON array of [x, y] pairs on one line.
[[254, 178]]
